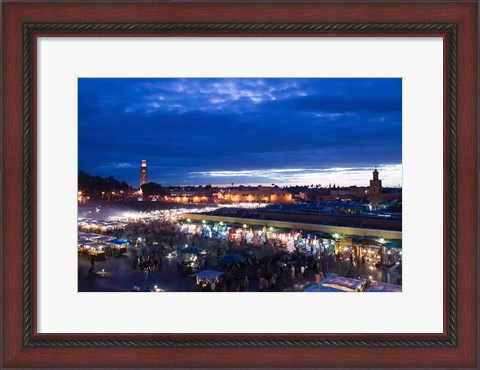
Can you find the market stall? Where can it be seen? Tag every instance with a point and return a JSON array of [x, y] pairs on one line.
[[323, 289], [96, 250], [119, 246], [231, 259], [104, 238], [207, 280], [384, 287], [343, 283]]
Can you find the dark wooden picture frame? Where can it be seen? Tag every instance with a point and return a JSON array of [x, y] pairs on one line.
[[456, 22]]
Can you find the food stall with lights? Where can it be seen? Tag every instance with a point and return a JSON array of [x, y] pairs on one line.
[[117, 247], [96, 250], [343, 283], [205, 277], [104, 238]]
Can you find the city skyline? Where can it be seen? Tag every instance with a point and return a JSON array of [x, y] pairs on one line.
[[242, 131]]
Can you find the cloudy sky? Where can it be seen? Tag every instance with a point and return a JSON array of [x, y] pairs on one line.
[[248, 131]]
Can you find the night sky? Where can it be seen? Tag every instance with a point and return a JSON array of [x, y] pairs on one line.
[[248, 131]]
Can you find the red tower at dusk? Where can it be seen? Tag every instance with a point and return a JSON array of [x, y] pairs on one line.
[[375, 184]]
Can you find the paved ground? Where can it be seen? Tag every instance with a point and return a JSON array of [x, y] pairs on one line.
[[123, 276]]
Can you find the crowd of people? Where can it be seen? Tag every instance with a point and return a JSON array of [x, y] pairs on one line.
[[268, 266], [146, 261]]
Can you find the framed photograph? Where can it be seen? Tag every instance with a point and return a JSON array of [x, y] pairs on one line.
[[194, 185]]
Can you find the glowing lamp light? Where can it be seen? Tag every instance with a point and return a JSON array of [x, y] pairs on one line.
[[188, 220], [270, 228], [203, 221], [335, 235], [244, 226], [382, 240]]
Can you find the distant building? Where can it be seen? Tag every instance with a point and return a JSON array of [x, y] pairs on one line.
[[375, 184], [375, 190], [377, 194], [374, 193], [143, 173], [259, 194], [186, 197]]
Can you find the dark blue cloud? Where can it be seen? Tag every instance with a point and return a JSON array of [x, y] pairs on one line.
[[187, 127]]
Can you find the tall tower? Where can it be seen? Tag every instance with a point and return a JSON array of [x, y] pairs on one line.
[[143, 173], [375, 184]]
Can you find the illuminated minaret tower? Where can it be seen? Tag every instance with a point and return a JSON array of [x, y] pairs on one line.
[[375, 190], [375, 184], [143, 173]]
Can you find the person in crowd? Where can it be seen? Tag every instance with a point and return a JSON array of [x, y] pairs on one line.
[[246, 282], [92, 265], [273, 280], [146, 264], [261, 284], [258, 273], [240, 287], [300, 272]]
